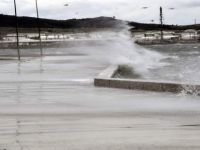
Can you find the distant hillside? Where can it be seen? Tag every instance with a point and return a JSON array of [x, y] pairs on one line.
[[30, 22], [99, 22], [143, 26]]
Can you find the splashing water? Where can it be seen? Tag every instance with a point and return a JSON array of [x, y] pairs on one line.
[[190, 90], [119, 48]]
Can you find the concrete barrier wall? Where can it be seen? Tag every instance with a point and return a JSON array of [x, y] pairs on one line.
[[108, 72], [105, 79]]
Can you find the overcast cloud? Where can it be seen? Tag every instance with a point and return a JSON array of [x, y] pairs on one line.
[[185, 12]]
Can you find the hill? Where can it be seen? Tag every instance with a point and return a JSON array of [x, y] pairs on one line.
[[144, 26], [99, 22], [30, 22]]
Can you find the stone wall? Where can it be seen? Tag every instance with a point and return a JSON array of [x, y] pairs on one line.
[[105, 79]]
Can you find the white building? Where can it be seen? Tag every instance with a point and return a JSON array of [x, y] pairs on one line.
[[190, 34]]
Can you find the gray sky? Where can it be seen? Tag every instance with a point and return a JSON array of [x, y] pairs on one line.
[[186, 11]]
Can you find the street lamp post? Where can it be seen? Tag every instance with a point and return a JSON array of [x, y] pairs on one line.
[[17, 30], [161, 23], [161, 20], [39, 29]]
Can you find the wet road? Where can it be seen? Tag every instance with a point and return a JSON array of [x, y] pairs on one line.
[[52, 104]]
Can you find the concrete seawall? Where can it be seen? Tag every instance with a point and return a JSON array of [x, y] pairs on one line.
[[105, 79]]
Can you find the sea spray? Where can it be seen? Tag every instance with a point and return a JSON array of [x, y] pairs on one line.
[[117, 48]]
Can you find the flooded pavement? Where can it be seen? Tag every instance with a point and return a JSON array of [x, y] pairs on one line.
[[51, 103]]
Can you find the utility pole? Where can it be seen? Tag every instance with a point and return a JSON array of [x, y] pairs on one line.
[[17, 30], [161, 23], [39, 29]]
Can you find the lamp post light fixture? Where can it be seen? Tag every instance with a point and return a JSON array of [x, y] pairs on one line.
[[39, 28], [17, 30]]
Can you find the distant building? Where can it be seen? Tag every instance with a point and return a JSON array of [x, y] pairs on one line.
[[149, 36], [172, 36], [190, 34]]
